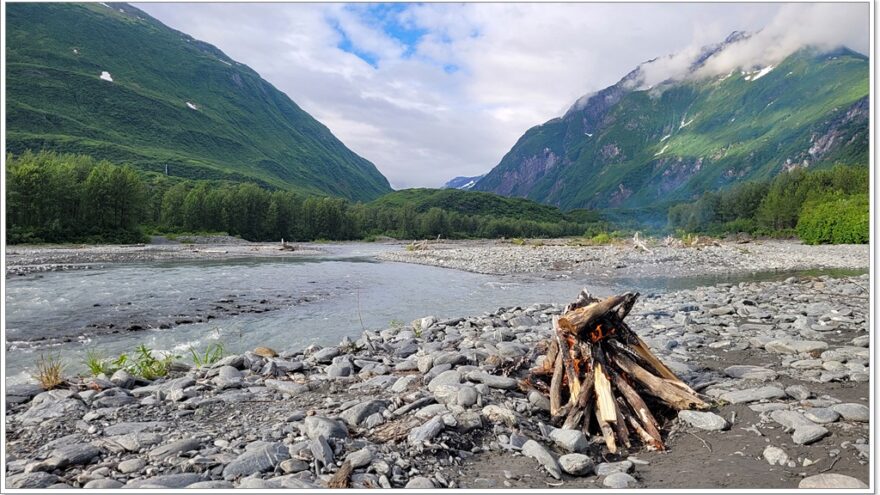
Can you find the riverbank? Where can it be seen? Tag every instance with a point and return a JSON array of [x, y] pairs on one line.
[[786, 364], [559, 258], [25, 259]]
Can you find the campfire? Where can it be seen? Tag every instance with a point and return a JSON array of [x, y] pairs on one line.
[[601, 377]]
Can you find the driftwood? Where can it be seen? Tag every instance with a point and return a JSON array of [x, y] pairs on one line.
[[341, 478], [603, 379]]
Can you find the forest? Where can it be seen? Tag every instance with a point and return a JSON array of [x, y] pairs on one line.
[[818, 206], [73, 198], [56, 198]]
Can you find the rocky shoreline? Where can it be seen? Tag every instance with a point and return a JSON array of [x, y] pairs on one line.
[[557, 258], [430, 405], [23, 260]]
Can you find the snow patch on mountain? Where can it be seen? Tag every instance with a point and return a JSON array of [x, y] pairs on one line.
[[463, 183]]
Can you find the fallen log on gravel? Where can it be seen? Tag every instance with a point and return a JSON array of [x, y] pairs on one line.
[[602, 378]]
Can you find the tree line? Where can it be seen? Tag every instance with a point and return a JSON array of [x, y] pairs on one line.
[[797, 202], [55, 197]]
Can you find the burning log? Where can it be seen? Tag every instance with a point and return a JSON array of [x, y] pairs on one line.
[[603, 378]]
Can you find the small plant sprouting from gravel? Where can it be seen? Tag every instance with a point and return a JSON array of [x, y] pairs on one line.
[[97, 363], [141, 363], [50, 371], [213, 353]]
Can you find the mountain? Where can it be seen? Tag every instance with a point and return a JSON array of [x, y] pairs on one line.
[[464, 183], [629, 146], [110, 81]]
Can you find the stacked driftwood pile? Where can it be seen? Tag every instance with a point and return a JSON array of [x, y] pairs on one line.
[[602, 378]]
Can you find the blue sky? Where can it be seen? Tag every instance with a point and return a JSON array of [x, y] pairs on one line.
[[432, 91]]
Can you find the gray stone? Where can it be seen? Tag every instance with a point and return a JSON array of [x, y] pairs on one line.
[[746, 372], [511, 349], [753, 394], [493, 381], [36, 479], [790, 419], [467, 396], [498, 414], [113, 401], [103, 483], [133, 442], [326, 354], [775, 455], [165, 387], [807, 364], [576, 464], [451, 358], [228, 377], [52, 408], [807, 434], [569, 440], [175, 448], [537, 451], [469, 421], [318, 426], [798, 392], [293, 466], [360, 458], [425, 363], [26, 390], [339, 369], [131, 465], [721, 311], [321, 451], [607, 468], [852, 411], [403, 383], [448, 377], [791, 346], [539, 401], [259, 460], [419, 482], [431, 410], [72, 455], [182, 480], [822, 415], [285, 387], [831, 480], [426, 432], [703, 420], [355, 415], [123, 379], [619, 480]]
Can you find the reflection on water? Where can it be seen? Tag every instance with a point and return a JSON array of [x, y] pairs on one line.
[[352, 292]]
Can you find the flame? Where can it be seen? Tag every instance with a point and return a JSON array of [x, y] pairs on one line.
[[598, 333]]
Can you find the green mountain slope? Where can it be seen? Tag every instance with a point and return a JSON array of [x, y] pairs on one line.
[[632, 148], [173, 100], [469, 203]]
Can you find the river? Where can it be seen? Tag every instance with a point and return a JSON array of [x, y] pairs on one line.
[[300, 301]]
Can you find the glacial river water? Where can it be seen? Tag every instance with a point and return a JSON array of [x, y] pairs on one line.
[[313, 300]]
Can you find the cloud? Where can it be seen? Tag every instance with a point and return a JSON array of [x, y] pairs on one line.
[[824, 26], [432, 91], [795, 26]]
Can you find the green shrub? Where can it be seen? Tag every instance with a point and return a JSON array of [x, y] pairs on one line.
[[843, 220], [97, 363], [601, 239]]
